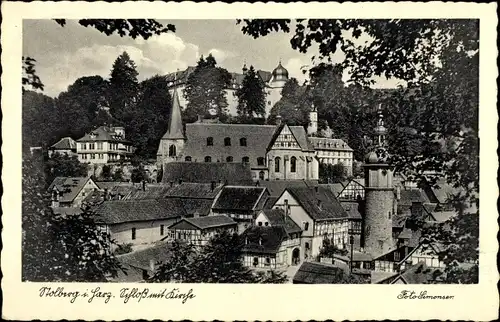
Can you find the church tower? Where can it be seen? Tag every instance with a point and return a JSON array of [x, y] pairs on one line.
[[312, 128], [379, 195], [172, 142]]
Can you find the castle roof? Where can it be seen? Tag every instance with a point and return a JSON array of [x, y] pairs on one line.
[[103, 133], [174, 130], [329, 144], [65, 143], [198, 172], [115, 212]]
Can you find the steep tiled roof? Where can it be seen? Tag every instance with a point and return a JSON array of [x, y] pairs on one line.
[[352, 209], [382, 277], [196, 207], [141, 258], [263, 240], [299, 132], [239, 198], [114, 212], [206, 222], [174, 130], [336, 187], [232, 173], [102, 133], [276, 217], [67, 211], [442, 216], [410, 196], [65, 143], [330, 144], [276, 187], [417, 274], [69, 186], [270, 202], [257, 138], [193, 190], [319, 273], [318, 202]]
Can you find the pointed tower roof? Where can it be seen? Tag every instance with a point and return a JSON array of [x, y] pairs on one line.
[[174, 130]]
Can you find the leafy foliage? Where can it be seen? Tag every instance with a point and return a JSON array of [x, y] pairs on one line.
[[56, 247], [123, 249], [220, 261], [30, 78], [332, 172], [294, 105], [124, 87], [329, 249], [205, 89], [63, 165], [251, 97]]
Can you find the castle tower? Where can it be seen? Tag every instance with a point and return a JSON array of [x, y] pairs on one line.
[[172, 142], [312, 128], [379, 195]]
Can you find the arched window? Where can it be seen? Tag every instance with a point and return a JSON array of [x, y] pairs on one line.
[[260, 161], [277, 161], [243, 142], [293, 164], [210, 141], [172, 151], [245, 159], [229, 159], [187, 159], [227, 141], [261, 175], [208, 159]]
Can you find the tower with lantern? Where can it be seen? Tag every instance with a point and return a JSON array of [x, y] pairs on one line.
[[379, 194]]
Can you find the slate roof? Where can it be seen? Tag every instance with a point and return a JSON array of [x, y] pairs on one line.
[[197, 172], [103, 133], [444, 191], [141, 258], [257, 137], [329, 207], [319, 273], [417, 274], [410, 196], [205, 222], [193, 190], [243, 198], [69, 186], [336, 187], [330, 144], [237, 78], [65, 143], [442, 216], [301, 136], [276, 217], [276, 187], [175, 128], [120, 211], [352, 209], [270, 238], [67, 211], [377, 277], [269, 204]]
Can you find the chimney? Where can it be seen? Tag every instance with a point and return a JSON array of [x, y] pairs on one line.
[[106, 194], [143, 185], [246, 240], [316, 189], [398, 192], [152, 265], [260, 241], [257, 184], [319, 204], [200, 118], [278, 120], [286, 208], [212, 186]]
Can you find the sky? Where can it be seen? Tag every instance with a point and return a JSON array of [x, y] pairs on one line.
[[64, 54]]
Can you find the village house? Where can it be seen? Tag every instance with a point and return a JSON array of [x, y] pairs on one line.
[[65, 146], [354, 189], [320, 216], [71, 191], [334, 151], [198, 231], [138, 222], [416, 274], [220, 173], [104, 144], [241, 203]]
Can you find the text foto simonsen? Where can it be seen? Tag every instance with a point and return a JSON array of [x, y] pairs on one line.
[[411, 295]]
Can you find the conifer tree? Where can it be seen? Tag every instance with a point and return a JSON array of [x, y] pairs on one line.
[[251, 97], [124, 86]]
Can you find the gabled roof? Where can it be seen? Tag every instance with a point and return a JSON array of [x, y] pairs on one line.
[[276, 187], [197, 172], [204, 222], [298, 132], [319, 273], [416, 274], [276, 218], [121, 211], [352, 209], [142, 258], [103, 133], [257, 138], [318, 202], [175, 128], [330, 144], [336, 187], [410, 196], [237, 78], [244, 198], [193, 190], [65, 143], [69, 187], [378, 277], [263, 240]]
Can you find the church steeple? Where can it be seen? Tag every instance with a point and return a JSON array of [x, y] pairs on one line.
[[174, 130]]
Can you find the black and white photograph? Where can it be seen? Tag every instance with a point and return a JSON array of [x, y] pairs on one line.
[[293, 150]]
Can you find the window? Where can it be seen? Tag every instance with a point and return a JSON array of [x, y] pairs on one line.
[[187, 159], [260, 161], [268, 261], [99, 146], [307, 246], [306, 226], [91, 146], [255, 261], [389, 215], [133, 234], [208, 159], [245, 159], [210, 141], [227, 141], [266, 224], [243, 142], [260, 223], [396, 256], [92, 156], [277, 161], [172, 151], [293, 164], [162, 230], [84, 146], [229, 159], [261, 175]]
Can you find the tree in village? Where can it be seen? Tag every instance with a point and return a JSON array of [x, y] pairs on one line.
[[220, 261], [41, 126], [55, 247], [63, 165], [124, 87], [251, 97], [294, 105], [206, 90], [332, 172], [439, 61]]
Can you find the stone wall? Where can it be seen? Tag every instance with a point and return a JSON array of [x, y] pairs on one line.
[[127, 168], [378, 220]]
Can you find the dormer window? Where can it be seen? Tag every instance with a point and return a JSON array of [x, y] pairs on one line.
[[243, 142], [227, 141]]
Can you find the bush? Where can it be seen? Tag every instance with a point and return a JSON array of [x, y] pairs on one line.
[[123, 249]]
